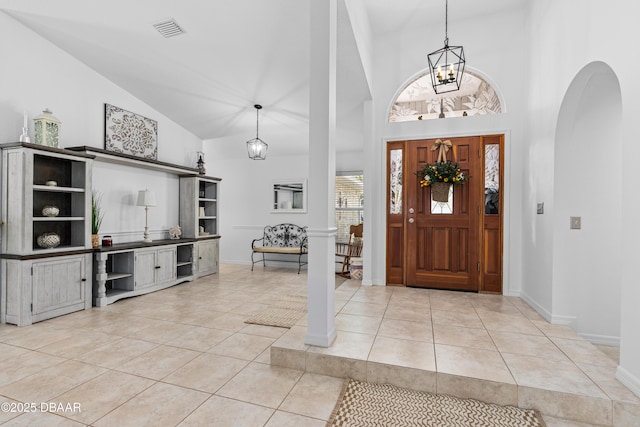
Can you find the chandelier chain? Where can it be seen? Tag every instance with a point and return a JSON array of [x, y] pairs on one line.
[[446, 23], [446, 64], [257, 113]]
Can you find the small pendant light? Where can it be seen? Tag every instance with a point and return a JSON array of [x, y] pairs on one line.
[[257, 148]]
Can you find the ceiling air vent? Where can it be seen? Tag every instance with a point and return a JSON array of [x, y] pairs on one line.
[[169, 28]]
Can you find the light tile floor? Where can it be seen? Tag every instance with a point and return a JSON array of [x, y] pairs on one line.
[[184, 356]]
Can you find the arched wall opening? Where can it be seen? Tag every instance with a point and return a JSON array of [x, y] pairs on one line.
[[586, 273]]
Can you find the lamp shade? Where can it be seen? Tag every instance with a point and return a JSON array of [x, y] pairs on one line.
[[146, 198]]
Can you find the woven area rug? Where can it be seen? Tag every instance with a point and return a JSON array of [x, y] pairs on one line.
[[285, 313], [368, 404]]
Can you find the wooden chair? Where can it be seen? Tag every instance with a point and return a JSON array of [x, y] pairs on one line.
[[353, 248]]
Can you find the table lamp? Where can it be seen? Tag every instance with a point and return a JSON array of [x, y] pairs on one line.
[[146, 198]]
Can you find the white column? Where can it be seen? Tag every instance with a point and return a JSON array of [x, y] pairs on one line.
[[372, 178], [321, 330], [101, 278]]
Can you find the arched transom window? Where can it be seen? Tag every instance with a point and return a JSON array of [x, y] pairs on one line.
[[418, 101]]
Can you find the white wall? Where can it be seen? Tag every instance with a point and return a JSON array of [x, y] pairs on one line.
[[246, 194], [349, 161], [493, 46], [588, 164], [36, 75], [588, 33]]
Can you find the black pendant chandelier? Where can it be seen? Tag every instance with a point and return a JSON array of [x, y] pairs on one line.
[[446, 65], [257, 148]]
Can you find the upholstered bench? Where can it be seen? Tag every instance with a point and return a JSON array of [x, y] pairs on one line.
[[282, 239]]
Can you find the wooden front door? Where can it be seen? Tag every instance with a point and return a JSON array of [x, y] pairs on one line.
[[454, 245]]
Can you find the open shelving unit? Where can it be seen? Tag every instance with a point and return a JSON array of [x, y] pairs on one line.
[[199, 206], [129, 269], [58, 282], [195, 255], [184, 262], [120, 269], [68, 195], [207, 205]]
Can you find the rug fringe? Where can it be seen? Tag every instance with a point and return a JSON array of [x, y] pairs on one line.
[[540, 419], [336, 408]]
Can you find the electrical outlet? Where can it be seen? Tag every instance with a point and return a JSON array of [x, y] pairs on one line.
[[576, 222], [540, 208]]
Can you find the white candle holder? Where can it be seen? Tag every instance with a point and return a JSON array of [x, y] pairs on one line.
[[25, 130]]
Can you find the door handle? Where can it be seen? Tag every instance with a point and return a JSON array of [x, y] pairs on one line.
[[411, 210], [411, 220]]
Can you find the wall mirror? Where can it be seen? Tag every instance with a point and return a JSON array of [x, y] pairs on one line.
[[290, 196]]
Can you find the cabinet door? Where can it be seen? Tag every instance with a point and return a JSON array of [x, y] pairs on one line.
[[207, 256], [167, 263], [145, 268], [58, 284]]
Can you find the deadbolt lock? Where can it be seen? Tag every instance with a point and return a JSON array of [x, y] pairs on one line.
[[411, 210]]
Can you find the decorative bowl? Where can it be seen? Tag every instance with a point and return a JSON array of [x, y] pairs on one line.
[[51, 183], [48, 240], [50, 211]]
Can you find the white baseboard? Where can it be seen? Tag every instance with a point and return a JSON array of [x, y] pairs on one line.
[[235, 261], [630, 381], [270, 263], [558, 319], [602, 339], [537, 307], [321, 340], [555, 319]]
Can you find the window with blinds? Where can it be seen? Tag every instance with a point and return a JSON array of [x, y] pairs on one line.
[[349, 203]]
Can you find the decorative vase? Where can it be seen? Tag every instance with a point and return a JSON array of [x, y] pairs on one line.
[[440, 191], [48, 240], [50, 211], [95, 240]]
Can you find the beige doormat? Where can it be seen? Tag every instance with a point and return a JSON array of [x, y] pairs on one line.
[[368, 404], [285, 313]]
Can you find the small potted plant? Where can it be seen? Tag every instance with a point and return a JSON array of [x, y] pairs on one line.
[[96, 218], [440, 176]]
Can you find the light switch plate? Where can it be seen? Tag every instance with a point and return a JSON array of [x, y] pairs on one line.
[[540, 208], [576, 222]]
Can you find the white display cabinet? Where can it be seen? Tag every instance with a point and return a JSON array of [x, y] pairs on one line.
[[45, 265]]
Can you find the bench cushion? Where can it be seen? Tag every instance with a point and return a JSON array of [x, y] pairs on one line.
[[279, 250]]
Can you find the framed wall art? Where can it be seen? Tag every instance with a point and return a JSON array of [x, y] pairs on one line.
[[130, 133]]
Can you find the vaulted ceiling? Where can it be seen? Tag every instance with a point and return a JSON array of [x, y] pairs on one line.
[[233, 54]]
